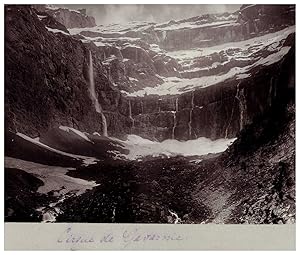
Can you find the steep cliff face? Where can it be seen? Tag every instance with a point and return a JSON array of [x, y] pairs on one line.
[[218, 111], [46, 79], [211, 91], [209, 30], [69, 18], [157, 65], [263, 18]]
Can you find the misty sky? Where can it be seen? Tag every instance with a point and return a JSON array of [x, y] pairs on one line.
[[106, 14]]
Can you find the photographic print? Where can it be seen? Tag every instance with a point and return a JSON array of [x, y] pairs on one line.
[[169, 114]]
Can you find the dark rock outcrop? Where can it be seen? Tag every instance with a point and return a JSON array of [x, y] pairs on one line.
[[46, 79], [262, 18], [51, 22], [250, 21], [21, 196], [67, 17], [218, 111]]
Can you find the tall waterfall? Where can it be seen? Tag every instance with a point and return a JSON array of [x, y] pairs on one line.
[[94, 97], [130, 114], [191, 113], [174, 118], [240, 96]]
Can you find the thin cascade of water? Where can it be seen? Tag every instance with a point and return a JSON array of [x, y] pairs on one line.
[[94, 97], [191, 115], [174, 118], [232, 111], [243, 107], [130, 114]]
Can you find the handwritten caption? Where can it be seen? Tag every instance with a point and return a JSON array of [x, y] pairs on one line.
[[124, 237]]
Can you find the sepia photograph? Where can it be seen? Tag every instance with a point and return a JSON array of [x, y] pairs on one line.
[[165, 114]]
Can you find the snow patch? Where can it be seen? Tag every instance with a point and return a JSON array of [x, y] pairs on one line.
[[77, 132], [190, 25], [54, 30], [56, 180], [98, 44], [155, 48], [86, 160], [140, 147], [109, 59], [132, 79], [273, 58], [175, 85], [256, 44], [54, 177], [41, 17]]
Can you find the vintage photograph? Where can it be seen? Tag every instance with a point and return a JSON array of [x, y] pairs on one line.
[[171, 114]]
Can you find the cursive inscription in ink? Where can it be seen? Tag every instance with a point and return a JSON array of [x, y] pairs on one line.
[[125, 237]]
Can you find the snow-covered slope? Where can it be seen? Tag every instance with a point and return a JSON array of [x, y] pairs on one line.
[[211, 62]]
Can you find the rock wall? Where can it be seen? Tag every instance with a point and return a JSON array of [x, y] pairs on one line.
[[46, 79], [217, 111], [261, 18], [67, 17], [46, 85], [252, 20]]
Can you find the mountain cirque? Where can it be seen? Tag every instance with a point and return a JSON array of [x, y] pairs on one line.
[[215, 77], [138, 77]]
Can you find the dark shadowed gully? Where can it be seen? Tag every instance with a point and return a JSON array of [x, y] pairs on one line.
[[186, 121]]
